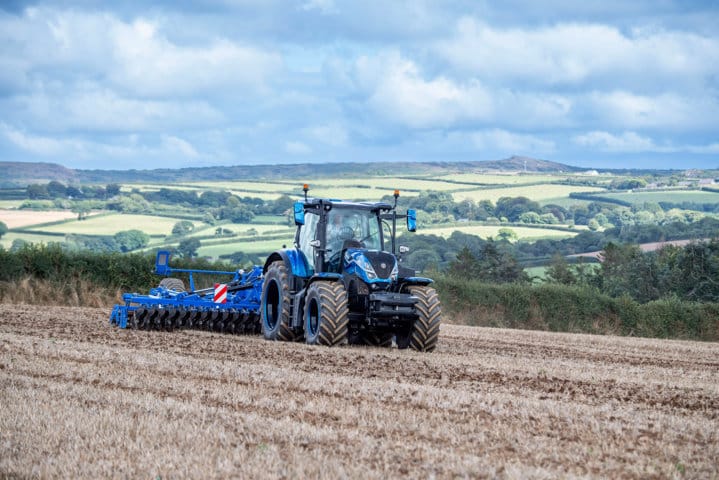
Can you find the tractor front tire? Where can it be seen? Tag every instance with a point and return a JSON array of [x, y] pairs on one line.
[[326, 314], [276, 302], [424, 334]]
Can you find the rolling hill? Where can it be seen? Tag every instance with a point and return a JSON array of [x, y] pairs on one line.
[[20, 174]]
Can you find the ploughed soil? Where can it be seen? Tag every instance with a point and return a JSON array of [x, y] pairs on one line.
[[80, 398]]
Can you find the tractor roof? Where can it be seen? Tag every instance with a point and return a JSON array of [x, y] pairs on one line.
[[345, 204]]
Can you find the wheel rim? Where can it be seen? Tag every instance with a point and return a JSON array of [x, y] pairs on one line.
[[313, 317], [272, 304]]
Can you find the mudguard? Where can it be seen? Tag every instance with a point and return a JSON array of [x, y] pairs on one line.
[[294, 260]]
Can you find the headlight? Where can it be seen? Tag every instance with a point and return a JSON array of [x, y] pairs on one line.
[[395, 272]]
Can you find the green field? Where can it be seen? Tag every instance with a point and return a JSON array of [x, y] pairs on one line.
[[244, 229], [538, 193], [389, 184], [253, 237], [486, 231], [249, 186], [565, 202], [263, 246], [111, 224], [502, 179], [679, 196], [241, 189], [7, 239]]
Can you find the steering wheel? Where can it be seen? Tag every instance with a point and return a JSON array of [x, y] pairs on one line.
[[346, 233]]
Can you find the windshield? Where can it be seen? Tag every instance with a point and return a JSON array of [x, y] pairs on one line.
[[359, 225]]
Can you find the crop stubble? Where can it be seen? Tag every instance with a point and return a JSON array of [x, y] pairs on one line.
[[83, 399]]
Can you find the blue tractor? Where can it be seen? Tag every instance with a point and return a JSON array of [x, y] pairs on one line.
[[344, 282]]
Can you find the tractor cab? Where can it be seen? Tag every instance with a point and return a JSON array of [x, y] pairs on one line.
[[328, 234], [331, 234]]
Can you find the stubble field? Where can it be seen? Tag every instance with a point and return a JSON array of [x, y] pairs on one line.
[[82, 399]]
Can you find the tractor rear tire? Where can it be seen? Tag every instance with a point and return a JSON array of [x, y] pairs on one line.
[[173, 284], [424, 334], [276, 302], [326, 314]]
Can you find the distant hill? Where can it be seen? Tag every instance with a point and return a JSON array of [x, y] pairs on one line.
[[19, 174], [527, 164]]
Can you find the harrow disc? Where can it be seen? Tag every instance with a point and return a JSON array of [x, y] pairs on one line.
[[139, 319], [152, 319], [164, 319], [172, 318], [184, 319]]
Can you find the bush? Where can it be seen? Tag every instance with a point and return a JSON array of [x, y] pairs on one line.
[[574, 308]]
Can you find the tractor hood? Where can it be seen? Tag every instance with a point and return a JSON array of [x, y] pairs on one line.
[[372, 266]]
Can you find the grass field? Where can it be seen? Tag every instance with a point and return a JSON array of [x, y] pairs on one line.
[[538, 193], [695, 196], [111, 224], [565, 202], [341, 188], [82, 399], [485, 231], [250, 186], [248, 246], [390, 184], [501, 179], [8, 238], [241, 189]]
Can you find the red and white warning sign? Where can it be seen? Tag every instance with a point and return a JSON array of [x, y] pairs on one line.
[[220, 293]]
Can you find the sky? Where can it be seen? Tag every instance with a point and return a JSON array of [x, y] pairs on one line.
[[169, 84]]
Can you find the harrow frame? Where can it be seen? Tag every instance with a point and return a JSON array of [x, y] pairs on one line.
[[194, 308]]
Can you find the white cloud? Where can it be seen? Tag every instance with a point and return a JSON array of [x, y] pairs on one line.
[[178, 145], [575, 53], [297, 148], [231, 80], [332, 134], [394, 89], [148, 63], [136, 56], [511, 143], [632, 142], [37, 144], [91, 108], [126, 150], [605, 141], [677, 112]]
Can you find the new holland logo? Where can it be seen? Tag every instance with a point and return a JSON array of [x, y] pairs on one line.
[[383, 265]]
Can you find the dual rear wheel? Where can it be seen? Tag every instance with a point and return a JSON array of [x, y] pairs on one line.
[[326, 314]]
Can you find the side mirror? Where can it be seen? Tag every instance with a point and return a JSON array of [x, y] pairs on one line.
[[299, 213], [411, 220]]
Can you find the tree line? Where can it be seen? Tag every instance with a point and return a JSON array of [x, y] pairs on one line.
[[433, 206], [689, 273]]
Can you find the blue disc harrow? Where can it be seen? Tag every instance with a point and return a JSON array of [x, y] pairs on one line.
[[170, 306]]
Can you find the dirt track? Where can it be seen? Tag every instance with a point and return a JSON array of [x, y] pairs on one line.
[[80, 398]]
